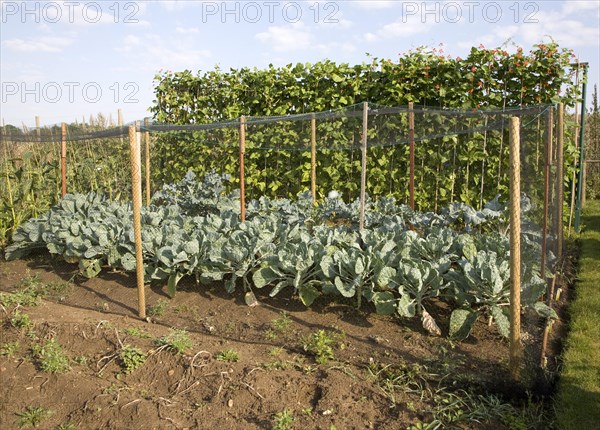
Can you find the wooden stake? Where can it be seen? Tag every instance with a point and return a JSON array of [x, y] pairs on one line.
[[547, 169], [411, 140], [242, 181], [363, 170], [37, 127], [147, 140], [560, 180], [63, 160], [515, 250], [136, 185], [313, 158], [120, 117]]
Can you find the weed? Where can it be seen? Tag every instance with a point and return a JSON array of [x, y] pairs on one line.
[[228, 355], [82, 360], [32, 416], [275, 351], [158, 309], [283, 420], [137, 332], [9, 349], [28, 297], [282, 323], [131, 358], [321, 344], [20, 320], [50, 357], [66, 426], [177, 341]]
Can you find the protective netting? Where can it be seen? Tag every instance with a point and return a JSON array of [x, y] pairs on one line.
[[460, 156]]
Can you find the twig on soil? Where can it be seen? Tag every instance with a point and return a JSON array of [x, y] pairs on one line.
[[223, 374], [130, 403], [112, 357], [195, 384], [194, 359]]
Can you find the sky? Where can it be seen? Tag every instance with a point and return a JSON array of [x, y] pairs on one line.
[[65, 61]]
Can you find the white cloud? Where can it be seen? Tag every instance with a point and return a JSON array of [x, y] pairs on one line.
[[401, 28], [40, 44], [286, 38], [374, 4], [573, 6], [154, 52], [189, 30]]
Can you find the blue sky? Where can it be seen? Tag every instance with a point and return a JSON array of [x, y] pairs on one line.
[[66, 60]]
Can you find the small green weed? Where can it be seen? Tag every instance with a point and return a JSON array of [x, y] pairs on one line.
[[228, 355], [9, 349], [284, 420], [50, 357], [177, 341], [321, 344], [131, 358], [32, 416], [137, 332], [158, 309], [28, 297], [20, 320], [66, 426], [279, 326]]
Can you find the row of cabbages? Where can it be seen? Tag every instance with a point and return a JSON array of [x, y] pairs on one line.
[[402, 262]]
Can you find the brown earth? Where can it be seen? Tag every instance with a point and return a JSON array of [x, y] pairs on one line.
[[385, 373]]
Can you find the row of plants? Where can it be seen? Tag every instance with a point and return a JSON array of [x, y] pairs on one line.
[[30, 173], [402, 262], [470, 167]]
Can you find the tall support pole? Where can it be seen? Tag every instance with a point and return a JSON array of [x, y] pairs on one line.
[[147, 155], [560, 177], [242, 180], [547, 171], [136, 186], [63, 159], [580, 183], [515, 251], [313, 158], [411, 141], [363, 170]]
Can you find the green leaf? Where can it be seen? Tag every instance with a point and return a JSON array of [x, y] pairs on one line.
[[406, 307], [385, 303], [308, 293], [461, 323], [544, 310], [501, 321], [172, 283]]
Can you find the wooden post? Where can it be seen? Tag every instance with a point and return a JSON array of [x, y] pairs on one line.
[[120, 117], [560, 180], [547, 168], [363, 170], [242, 181], [313, 158], [411, 140], [136, 185], [63, 160], [147, 141], [515, 250], [37, 127]]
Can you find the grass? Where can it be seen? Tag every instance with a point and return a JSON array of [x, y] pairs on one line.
[[177, 341], [578, 397], [228, 355], [32, 416]]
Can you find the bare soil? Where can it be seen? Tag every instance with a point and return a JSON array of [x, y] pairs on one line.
[[385, 373]]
